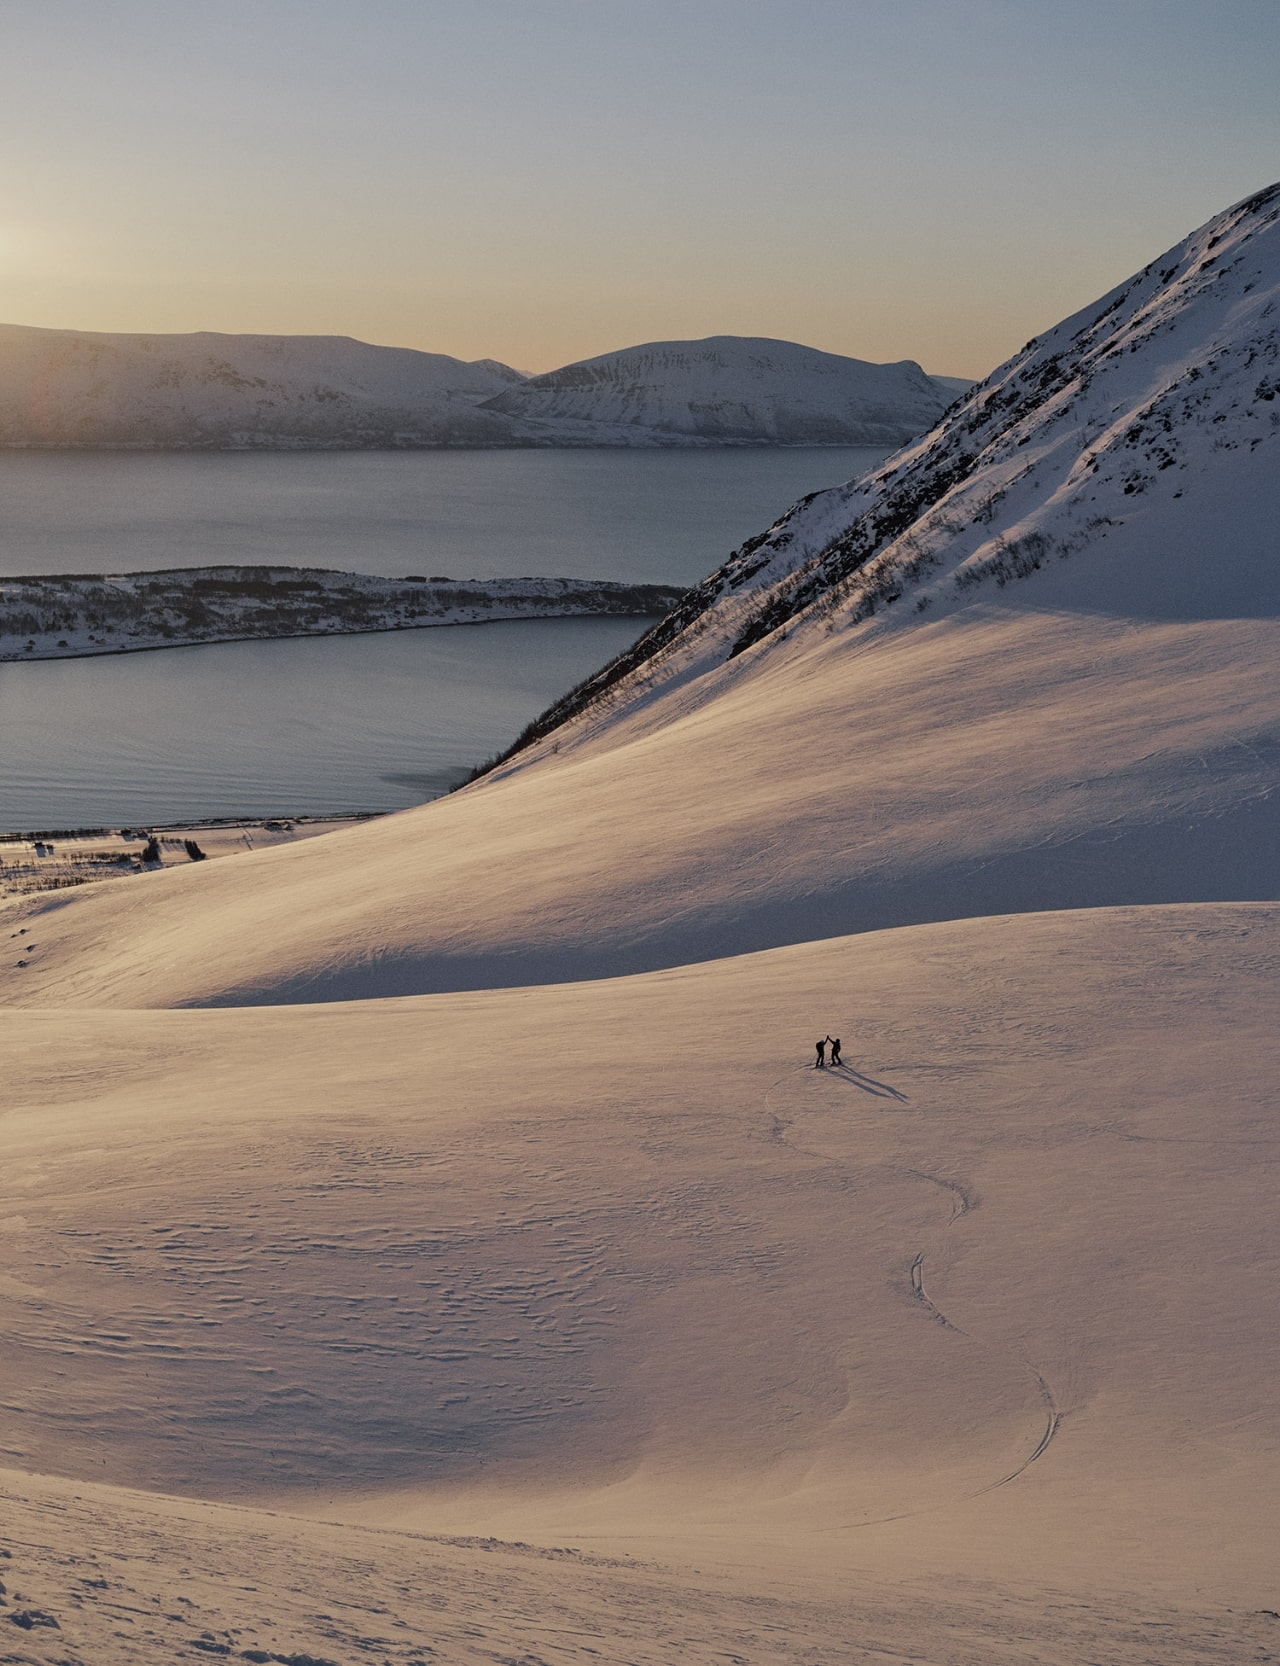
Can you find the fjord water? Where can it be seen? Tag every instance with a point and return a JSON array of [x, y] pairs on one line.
[[661, 516], [313, 725], [342, 723]]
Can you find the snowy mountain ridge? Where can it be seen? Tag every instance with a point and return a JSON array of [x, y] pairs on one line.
[[1150, 415], [78, 388], [733, 388], [436, 1240]]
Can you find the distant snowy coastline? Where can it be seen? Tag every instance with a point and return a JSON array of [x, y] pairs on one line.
[[78, 390], [74, 616]]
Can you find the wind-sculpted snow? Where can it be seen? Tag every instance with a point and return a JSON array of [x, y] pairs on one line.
[[609, 1264], [438, 1221]]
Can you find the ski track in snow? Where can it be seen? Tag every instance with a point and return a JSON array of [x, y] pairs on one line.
[[722, 1345], [963, 1202]]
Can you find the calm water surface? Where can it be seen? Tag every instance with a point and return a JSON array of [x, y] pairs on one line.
[[666, 516], [343, 723], [279, 728]]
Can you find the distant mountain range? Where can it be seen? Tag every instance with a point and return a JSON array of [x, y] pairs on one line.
[[388, 1214], [237, 392]]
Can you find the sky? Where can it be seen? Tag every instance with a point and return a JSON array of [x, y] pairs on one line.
[[538, 181]]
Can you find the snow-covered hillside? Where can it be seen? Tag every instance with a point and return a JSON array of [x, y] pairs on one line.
[[729, 388], [795, 733], [962, 1353], [469, 1176], [1138, 440], [78, 388]]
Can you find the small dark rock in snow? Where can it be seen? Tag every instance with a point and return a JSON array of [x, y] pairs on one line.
[[30, 1618]]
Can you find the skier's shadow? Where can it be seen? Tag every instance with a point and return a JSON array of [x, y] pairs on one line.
[[868, 1084]]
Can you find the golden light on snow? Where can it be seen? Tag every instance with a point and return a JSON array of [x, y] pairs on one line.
[[434, 1239]]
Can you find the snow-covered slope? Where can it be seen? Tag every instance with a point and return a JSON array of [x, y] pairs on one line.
[[609, 1266], [1141, 433], [962, 1351], [1104, 730], [74, 387], [729, 388], [952, 386]]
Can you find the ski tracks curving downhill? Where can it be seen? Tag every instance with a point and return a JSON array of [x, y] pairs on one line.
[[963, 1202]]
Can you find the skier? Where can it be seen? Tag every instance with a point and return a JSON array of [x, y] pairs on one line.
[[835, 1050], [822, 1054]]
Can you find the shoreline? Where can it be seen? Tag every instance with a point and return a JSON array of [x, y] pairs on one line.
[[208, 824], [47, 616], [43, 656], [660, 442], [37, 863]]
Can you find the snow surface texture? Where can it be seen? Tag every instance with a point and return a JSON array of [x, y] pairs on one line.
[[607, 1266], [72, 615], [72, 388], [962, 1352]]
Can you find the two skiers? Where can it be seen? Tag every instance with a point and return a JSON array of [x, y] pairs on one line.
[[822, 1045]]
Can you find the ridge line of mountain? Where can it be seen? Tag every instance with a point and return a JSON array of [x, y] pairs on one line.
[[204, 390], [1072, 441]]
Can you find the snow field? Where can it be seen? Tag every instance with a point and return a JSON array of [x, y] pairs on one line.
[[443, 1178], [609, 1261], [130, 1577], [1007, 760]]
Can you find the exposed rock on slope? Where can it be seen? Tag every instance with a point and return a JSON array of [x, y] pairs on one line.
[[731, 388], [1105, 730], [1147, 423]]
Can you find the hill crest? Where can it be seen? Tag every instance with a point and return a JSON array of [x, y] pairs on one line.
[[730, 388], [214, 391]]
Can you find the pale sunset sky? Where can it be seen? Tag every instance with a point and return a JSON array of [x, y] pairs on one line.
[[541, 180]]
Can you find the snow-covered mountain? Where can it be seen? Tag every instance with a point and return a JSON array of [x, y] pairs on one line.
[[1113, 710], [729, 389], [1138, 441], [74, 387], [474, 1180]]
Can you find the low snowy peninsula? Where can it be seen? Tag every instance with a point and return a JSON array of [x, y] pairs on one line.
[[66, 616]]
